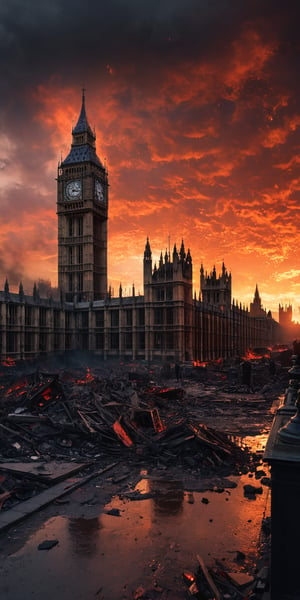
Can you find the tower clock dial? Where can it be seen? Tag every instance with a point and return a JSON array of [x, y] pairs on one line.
[[73, 190], [99, 191]]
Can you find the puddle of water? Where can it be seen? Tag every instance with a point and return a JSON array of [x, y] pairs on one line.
[[254, 443], [153, 541]]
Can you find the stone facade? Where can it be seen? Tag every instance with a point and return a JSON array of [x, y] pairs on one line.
[[82, 209], [165, 324]]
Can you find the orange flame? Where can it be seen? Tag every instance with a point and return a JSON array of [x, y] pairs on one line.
[[87, 379], [253, 355]]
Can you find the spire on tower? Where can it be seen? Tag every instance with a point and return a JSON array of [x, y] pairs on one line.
[[6, 287], [21, 292], [182, 251], [147, 252], [256, 295], [83, 147], [188, 256], [82, 123]]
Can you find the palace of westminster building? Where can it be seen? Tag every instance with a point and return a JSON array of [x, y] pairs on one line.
[[166, 323]]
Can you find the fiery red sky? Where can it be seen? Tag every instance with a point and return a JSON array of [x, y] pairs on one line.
[[197, 115]]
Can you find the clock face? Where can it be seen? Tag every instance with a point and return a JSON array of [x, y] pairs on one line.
[[73, 190], [99, 191]]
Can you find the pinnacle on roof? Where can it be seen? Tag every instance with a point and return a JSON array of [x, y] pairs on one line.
[[256, 294], [147, 251], [82, 123], [182, 251]]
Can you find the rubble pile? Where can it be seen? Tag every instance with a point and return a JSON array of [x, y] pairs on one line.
[[83, 416], [217, 583], [183, 432]]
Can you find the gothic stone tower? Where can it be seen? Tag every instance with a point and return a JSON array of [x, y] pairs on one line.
[[256, 309], [168, 305], [216, 290], [82, 209]]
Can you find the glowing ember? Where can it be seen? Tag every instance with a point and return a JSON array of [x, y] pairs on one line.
[[278, 348], [17, 389], [9, 362], [87, 379], [257, 353], [122, 435], [47, 395]]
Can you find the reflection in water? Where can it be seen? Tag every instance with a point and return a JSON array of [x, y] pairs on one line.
[[254, 443], [154, 539], [168, 498], [84, 535]]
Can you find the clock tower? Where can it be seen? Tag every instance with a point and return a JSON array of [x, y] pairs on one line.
[[82, 209]]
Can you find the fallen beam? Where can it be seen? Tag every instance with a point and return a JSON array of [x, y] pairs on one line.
[[28, 507], [208, 578]]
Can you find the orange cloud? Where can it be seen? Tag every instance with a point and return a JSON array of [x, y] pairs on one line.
[[205, 149]]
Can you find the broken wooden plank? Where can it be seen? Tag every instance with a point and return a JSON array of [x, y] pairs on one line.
[[86, 423], [49, 472], [26, 418], [47, 497], [156, 420], [67, 411], [17, 434], [121, 433], [208, 578], [44, 391], [172, 443], [201, 435]]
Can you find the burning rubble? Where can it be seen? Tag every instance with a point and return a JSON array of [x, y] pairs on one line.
[[93, 414], [64, 423]]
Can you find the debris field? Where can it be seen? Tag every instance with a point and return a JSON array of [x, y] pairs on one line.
[[66, 421]]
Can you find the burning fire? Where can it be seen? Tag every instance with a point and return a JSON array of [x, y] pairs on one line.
[[255, 354], [47, 394], [87, 379]]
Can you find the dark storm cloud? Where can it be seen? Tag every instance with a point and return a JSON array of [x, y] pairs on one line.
[[64, 36], [70, 40]]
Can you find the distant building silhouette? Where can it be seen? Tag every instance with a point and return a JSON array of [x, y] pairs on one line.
[[289, 329]]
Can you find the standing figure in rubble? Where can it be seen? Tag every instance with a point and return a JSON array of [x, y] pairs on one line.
[[246, 369], [272, 369], [177, 371]]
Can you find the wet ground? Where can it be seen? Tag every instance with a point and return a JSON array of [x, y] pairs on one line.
[[132, 532], [121, 549]]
